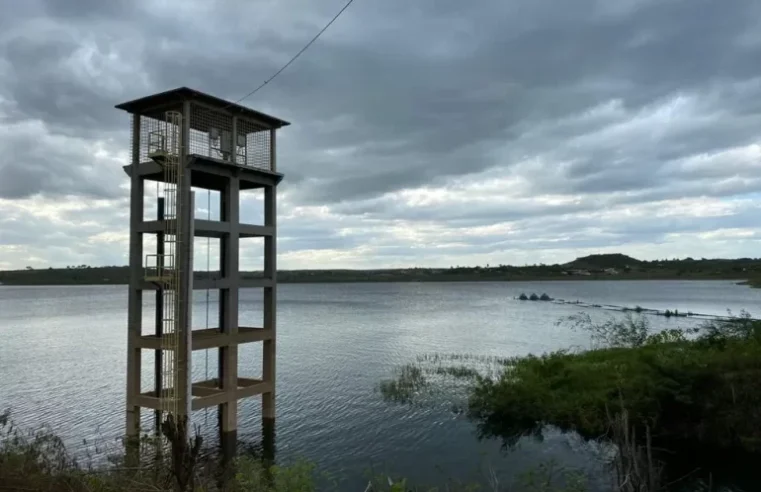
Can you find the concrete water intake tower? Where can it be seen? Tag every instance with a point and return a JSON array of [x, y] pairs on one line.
[[183, 139]]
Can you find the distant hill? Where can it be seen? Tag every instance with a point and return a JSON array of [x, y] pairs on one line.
[[600, 262], [587, 267]]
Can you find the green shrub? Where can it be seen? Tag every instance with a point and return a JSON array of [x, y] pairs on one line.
[[630, 331], [707, 388]]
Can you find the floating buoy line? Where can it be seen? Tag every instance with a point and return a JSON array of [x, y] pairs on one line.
[[668, 313]]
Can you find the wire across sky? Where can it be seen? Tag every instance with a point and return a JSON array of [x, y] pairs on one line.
[[293, 59]]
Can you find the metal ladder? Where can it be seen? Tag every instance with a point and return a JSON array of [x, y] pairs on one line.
[[165, 273]]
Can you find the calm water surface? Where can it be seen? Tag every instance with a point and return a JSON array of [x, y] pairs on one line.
[[62, 362]]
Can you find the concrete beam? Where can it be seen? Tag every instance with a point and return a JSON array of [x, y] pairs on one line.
[[217, 283], [247, 174], [256, 387], [211, 338], [209, 228], [204, 395], [146, 401], [211, 174], [203, 389], [209, 401]]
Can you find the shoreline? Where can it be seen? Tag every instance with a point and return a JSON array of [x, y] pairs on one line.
[[589, 268], [447, 280]]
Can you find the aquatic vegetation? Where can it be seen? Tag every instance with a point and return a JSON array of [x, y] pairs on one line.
[[700, 386], [38, 461], [409, 380]]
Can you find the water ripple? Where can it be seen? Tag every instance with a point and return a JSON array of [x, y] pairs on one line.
[[62, 363]]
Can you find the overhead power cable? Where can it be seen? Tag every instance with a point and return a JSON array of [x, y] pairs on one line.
[[297, 54]]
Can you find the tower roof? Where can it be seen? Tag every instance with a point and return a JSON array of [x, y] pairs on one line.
[[174, 96]]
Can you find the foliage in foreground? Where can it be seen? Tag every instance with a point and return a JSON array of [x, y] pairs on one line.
[[39, 462], [698, 384]]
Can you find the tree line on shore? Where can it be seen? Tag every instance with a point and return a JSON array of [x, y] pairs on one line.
[[608, 266]]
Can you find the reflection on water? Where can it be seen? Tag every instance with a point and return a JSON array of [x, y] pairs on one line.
[[62, 362]]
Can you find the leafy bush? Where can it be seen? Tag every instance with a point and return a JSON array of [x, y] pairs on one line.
[[681, 386], [630, 331], [38, 461], [742, 327], [635, 387]]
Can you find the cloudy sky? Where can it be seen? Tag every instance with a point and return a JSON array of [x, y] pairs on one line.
[[426, 132]]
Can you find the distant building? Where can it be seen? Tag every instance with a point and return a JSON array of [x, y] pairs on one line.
[[611, 271]]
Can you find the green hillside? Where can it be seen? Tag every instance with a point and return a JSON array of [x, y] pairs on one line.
[[601, 262]]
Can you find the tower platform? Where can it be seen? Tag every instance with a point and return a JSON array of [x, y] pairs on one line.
[[211, 173]]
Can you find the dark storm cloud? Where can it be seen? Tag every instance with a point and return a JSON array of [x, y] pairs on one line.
[[86, 9], [612, 102], [429, 114], [425, 90], [540, 75], [34, 162]]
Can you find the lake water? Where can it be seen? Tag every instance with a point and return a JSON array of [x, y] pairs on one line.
[[62, 363]]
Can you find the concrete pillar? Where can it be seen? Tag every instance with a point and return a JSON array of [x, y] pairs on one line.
[[268, 441], [158, 354], [186, 213], [270, 293], [270, 301], [228, 355], [135, 300]]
